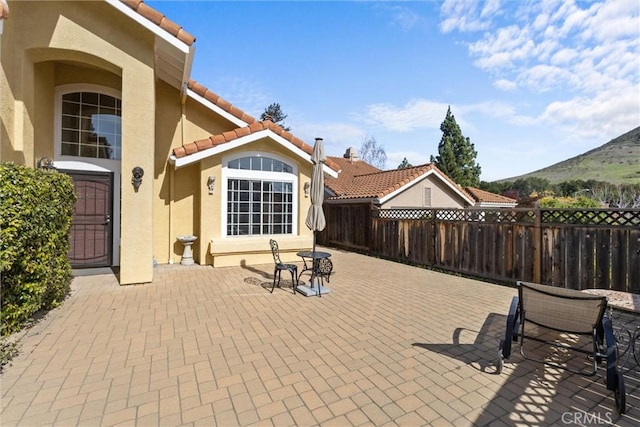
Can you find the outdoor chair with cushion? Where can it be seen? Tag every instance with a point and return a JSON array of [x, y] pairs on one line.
[[558, 317], [279, 266]]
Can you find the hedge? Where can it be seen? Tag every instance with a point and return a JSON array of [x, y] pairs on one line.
[[36, 207]]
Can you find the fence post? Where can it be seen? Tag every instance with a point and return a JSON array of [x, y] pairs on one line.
[[537, 245]]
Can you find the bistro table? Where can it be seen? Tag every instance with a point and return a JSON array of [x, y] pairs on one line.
[[624, 309], [310, 260]]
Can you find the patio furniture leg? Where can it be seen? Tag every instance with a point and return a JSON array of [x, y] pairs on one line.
[[294, 280], [615, 379]]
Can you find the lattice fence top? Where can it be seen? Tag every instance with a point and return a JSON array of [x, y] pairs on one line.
[[607, 217], [619, 217]]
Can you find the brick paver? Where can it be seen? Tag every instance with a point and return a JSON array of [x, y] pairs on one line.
[[390, 345]]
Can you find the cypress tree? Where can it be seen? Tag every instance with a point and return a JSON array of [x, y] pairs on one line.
[[456, 154]]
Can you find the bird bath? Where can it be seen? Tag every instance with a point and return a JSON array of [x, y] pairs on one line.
[[187, 254]]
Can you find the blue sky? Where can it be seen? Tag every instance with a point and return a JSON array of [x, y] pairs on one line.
[[531, 83]]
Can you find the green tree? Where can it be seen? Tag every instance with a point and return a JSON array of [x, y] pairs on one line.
[[456, 154], [405, 164], [274, 113], [373, 153]]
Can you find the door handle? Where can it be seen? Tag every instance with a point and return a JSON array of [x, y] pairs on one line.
[[107, 219]]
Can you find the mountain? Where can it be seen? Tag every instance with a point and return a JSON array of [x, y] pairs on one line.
[[617, 162]]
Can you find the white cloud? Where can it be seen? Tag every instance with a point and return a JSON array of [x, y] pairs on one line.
[[504, 84], [503, 48], [612, 20], [563, 56], [404, 17], [561, 34], [582, 56], [604, 117], [465, 15], [337, 136], [490, 8], [493, 110], [543, 78], [416, 114]]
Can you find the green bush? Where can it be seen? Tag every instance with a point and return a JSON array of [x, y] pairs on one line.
[[35, 216], [569, 202]]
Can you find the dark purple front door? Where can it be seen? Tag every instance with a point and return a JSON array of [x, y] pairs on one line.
[[91, 232]]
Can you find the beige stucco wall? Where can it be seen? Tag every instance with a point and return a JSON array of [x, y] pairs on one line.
[[178, 192], [220, 250], [43, 36], [54, 44], [183, 204], [441, 196]]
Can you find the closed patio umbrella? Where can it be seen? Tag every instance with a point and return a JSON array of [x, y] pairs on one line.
[[315, 217]]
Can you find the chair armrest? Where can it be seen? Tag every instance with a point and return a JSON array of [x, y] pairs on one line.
[[513, 323]]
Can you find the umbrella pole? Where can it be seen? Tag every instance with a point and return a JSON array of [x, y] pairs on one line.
[[313, 269]]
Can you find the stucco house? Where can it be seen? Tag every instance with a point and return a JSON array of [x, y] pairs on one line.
[[486, 199], [102, 91], [423, 186]]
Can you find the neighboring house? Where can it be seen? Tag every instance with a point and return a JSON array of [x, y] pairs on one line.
[[350, 165], [423, 186], [415, 187], [103, 89], [485, 199]]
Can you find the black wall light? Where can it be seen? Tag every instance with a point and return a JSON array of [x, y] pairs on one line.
[[46, 164], [136, 177]]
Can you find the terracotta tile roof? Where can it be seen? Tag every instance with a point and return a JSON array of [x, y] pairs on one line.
[[160, 20], [482, 196], [225, 137], [383, 183], [348, 169], [215, 99]]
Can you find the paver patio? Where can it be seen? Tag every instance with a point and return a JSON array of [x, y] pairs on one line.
[[390, 345]]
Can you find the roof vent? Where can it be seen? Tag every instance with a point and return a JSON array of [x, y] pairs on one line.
[[351, 154]]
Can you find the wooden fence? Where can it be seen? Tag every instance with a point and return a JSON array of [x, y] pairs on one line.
[[577, 249]]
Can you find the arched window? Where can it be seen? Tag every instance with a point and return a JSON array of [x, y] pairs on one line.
[[260, 196], [91, 125]]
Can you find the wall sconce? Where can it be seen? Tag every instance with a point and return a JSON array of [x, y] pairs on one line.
[[307, 187], [46, 164], [211, 182], [136, 177]]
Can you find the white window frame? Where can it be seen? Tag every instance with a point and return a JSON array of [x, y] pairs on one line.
[[89, 163], [73, 88], [228, 173]]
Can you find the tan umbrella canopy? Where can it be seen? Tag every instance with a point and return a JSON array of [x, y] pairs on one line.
[[315, 217]]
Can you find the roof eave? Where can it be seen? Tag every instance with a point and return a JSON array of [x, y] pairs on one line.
[[354, 200], [495, 204], [213, 107], [174, 57], [179, 162], [174, 41]]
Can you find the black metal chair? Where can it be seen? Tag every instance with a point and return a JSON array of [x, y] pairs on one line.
[[279, 266], [323, 269]]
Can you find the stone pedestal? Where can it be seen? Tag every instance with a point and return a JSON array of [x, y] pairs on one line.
[[187, 254]]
